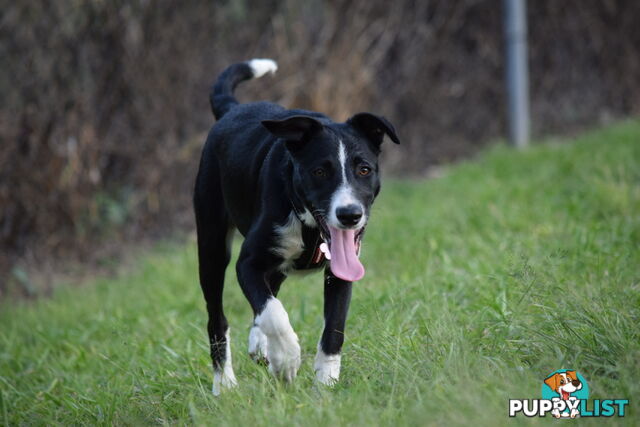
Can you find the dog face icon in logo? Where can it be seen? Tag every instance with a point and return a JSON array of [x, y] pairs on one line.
[[565, 385]]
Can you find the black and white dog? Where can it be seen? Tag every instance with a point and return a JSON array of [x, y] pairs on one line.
[[299, 188]]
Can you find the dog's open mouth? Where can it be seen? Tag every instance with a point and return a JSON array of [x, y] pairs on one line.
[[342, 250], [565, 395]]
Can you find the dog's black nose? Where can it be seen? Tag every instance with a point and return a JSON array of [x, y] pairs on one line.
[[349, 215], [575, 383]]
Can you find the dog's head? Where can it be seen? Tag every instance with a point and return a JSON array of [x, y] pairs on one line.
[[336, 176], [564, 383]]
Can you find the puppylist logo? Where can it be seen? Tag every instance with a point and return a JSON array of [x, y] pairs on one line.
[[565, 394]]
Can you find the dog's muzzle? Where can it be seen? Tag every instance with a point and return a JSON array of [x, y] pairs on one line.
[[326, 235]]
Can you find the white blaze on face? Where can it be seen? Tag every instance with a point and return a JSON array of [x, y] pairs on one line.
[[342, 158], [342, 248], [344, 195]]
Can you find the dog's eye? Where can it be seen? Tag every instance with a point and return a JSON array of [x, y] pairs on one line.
[[318, 172], [364, 170], [561, 382]]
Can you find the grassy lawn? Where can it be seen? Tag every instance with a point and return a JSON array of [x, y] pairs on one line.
[[478, 285]]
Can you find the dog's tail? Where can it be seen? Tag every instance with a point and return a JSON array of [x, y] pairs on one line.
[[221, 95]]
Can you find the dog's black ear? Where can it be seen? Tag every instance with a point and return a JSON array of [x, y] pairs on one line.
[[293, 129], [374, 127]]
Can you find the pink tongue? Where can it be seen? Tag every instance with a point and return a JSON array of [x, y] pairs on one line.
[[344, 261]]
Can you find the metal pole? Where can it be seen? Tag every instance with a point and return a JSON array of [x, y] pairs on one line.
[[515, 26]]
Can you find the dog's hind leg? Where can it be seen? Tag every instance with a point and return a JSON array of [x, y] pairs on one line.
[[337, 296], [215, 234]]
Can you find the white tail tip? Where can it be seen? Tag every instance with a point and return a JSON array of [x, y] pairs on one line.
[[260, 67]]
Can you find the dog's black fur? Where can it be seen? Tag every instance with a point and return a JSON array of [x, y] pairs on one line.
[[260, 163]]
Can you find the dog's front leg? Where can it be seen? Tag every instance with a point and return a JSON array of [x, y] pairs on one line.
[[337, 296], [257, 339], [282, 347]]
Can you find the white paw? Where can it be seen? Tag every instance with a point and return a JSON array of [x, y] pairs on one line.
[[283, 354], [223, 379], [257, 345], [283, 350], [327, 368]]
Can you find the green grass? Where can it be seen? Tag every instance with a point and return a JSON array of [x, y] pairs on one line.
[[478, 285]]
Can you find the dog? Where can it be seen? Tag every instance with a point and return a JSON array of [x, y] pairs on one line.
[[299, 188], [564, 384]]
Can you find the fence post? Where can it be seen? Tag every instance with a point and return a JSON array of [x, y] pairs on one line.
[[517, 74]]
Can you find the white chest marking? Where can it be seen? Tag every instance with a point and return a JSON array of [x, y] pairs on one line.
[[308, 219], [289, 243]]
